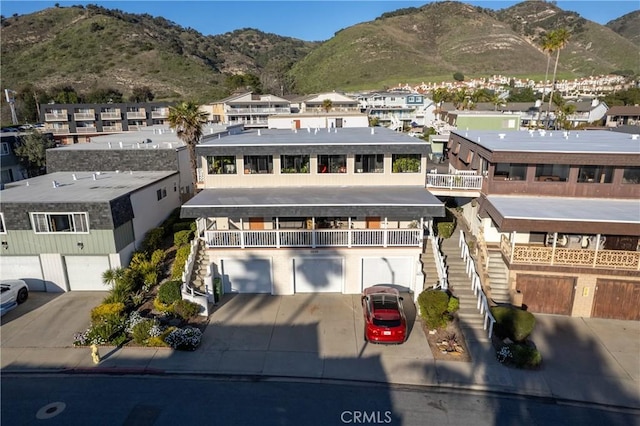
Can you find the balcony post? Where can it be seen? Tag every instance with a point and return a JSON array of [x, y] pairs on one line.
[[421, 231], [385, 234], [313, 232], [349, 233], [513, 244], [241, 234], [553, 247], [595, 256], [277, 233]]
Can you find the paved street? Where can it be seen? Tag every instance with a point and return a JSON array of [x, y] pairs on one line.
[[320, 337]]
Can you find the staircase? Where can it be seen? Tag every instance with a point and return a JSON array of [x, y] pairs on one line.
[[428, 266], [471, 321], [498, 278], [200, 268]]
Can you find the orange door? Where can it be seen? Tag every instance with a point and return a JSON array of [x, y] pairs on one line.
[[256, 223], [373, 222], [296, 124]]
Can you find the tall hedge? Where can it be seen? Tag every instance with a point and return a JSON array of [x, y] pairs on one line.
[[512, 322]]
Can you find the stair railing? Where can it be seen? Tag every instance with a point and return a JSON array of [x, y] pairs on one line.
[[476, 285], [441, 268], [188, 292]]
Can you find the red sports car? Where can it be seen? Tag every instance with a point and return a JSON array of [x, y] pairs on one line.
[[384, 319]]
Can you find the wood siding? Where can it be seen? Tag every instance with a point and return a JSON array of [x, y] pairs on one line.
[[614, 299], [27, 242], [546, 294]]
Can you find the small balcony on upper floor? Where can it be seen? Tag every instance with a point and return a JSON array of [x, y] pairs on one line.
[[160, 112], [56, 115], [139, 113], [258, 110], [84, 115], [461, 183], [112, 114]]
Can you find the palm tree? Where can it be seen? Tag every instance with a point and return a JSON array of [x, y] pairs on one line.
[[327, 104], [558, 40], [547, 48], [439, 96], [188, 119], [496, 100]]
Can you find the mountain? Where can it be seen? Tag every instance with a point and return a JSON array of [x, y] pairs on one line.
[[438, 39], [628, 26], [92, 47]]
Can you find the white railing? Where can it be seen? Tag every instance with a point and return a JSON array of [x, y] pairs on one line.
[[441, 268], [259, 110], [315, 238], [188, 292], [457, 181], [476, 286]]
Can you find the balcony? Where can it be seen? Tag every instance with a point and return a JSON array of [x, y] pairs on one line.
[[86, 129], [59, 130], [314, 238], [111, 115], [56, 116], [84, 116], [259, 110], [132, 115], [116, 128], [160, 113], [459, 184], [528, 254]]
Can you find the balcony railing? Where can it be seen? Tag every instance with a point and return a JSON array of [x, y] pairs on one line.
[[161, 113], [56, 116], [59, 130], [111, 115], [558, 256], [456, 181], [87, 129], [117, 128], [136, 114], [259, 110], [315, 238], [79, 116]]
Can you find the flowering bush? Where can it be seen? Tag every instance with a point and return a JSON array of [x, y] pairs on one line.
[[504, 354], [186, 339], [142, 330], [134, 318]]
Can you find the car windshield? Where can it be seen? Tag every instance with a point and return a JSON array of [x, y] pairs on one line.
[[384, 301]]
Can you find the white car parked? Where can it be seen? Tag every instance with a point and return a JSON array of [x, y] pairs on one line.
[[13, 293]]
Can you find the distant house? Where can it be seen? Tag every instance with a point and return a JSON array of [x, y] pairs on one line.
[[316, 103], [628, 115], [249, 109], [318, 120], [398, 109]]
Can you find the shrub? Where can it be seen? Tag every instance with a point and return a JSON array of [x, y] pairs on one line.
[[162, 307], [186, 309], [169, 292], [512, 322], [178, 264], [181, 226], [453, 305], [106, 312], [141, 332], [186, 339], [433, 307], [519, 355], [153, 239], [446, 225], [181, 238]]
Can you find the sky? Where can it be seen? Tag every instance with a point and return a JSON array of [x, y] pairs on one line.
[[311, 20]]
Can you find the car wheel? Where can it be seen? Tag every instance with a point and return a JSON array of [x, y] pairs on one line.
[[23, 294]]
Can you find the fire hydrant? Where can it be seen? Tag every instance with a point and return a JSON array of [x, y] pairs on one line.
[[95, 355]]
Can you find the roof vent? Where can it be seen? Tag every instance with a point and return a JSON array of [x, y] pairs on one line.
[[55, 184], [138, 145], [109, 145], [94, 176], [635, 137], [373, 131], [120, 143], [27, 183], [501, 135], [73, 175], [259, 134]]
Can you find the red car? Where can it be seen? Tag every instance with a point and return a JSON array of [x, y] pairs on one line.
[[384, 319]]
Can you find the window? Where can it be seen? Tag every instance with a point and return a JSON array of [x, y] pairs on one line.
[[332, 164], [294, 164], [510, 171], [631, 175], [221, 165], [5, 149], [552, 172], [44, 223], [3, 229], [161, 193], [369, 163], [595, 174], [405, 163], [258, 164]]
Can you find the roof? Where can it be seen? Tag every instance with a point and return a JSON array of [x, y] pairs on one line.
[[633, 110], [152, 137], [106, 187], [308, 136], [604, 210], [579, 141], [347, 201]]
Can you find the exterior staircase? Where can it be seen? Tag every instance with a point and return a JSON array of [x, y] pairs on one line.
[[470, 320], [200, 268], [498, 278], [428, 266]]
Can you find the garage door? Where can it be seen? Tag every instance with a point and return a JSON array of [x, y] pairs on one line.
[[246, 275], [388, 270], [616, 299], [25, 268], [85, 272], [318, 274], [546, 294]]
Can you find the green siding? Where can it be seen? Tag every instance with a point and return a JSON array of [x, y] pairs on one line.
[[28, 242], [486, 123]]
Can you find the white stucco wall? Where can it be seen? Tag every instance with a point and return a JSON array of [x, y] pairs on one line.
[[318, 121]]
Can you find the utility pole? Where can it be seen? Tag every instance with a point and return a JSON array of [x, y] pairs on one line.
[[11, 99]]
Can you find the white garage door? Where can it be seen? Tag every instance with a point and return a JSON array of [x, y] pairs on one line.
[[388, 270], [85, 272], [25, 268], [246, 276], [318, 274]]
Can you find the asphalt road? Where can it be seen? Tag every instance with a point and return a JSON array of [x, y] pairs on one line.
[[150, 400]]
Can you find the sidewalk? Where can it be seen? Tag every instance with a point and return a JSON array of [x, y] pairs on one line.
[[318, 337]]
